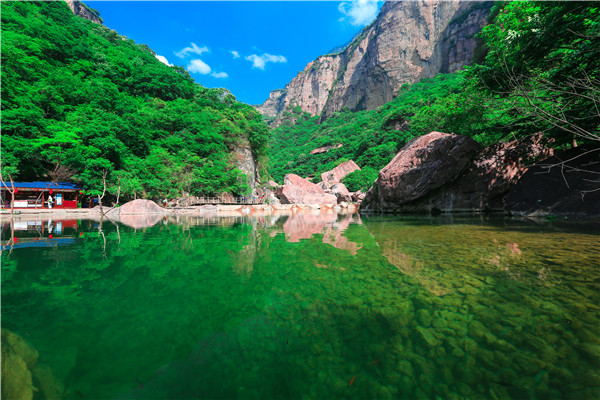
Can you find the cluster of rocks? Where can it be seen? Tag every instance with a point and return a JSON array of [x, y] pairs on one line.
[[441, 172], [331, 190]]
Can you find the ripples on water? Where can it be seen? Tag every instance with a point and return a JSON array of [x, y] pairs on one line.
[[308, 306]]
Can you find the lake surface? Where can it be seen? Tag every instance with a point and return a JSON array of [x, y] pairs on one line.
[[309, 306]]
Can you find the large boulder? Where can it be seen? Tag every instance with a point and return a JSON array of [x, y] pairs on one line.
[[139, 206], [424, 164], [338, 173], [341, 192], [137, 213], [563, 185], [297, 190], [485, 183]]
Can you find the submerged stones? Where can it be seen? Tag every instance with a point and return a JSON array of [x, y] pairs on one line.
[[22, 375]]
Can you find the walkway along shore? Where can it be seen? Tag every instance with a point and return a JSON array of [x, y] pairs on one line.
[[219, 209]]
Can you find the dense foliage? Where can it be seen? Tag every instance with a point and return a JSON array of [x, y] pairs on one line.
[[80, 102], [544, 57], [539, 71]]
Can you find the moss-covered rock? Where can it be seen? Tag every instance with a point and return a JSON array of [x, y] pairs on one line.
[[18, 345], [16, 378]]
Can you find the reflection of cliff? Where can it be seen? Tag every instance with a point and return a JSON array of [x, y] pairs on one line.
[[244, 259], [305, 225]]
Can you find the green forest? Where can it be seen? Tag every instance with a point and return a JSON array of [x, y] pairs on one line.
[[537, 69], [81, 103]]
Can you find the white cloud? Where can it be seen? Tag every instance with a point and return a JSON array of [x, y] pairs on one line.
[[219, 75], [199, 67], [193, 49], [360, 12], [163, 60], [260, 61], [235, 54]]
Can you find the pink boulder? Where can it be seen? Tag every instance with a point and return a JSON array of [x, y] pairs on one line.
[[297, 190], [338, 173]]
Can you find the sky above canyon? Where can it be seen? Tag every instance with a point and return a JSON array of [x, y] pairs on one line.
[[247, 47]]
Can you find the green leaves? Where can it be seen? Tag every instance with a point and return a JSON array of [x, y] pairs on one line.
[[544, 58], [79, 98]]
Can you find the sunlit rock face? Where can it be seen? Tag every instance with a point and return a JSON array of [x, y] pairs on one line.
[[246, 161], [409, 41], [82, 11]]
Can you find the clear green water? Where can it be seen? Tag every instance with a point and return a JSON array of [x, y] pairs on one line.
[[312, 307]]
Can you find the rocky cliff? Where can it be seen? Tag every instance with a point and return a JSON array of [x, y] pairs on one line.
[[84, 11], [409, 41], [246, 161]]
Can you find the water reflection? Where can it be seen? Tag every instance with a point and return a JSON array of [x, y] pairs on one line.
[[138, 221], [328, 223], [234, 307], [16, 234]]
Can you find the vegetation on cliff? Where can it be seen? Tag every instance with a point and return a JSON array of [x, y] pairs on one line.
[[538, 72], [82, 103]]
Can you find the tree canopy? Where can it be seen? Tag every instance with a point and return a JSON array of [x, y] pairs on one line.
[[80, 101]]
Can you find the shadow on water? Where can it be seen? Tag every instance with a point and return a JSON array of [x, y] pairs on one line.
[[313, 305]]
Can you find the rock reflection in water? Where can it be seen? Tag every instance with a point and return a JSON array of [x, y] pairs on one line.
[[139, 221], [329, 223]]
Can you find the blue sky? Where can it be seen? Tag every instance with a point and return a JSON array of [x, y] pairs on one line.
[[247, 47]]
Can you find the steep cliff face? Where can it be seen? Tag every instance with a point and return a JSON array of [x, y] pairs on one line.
[[83, 11], [245, 160], [409, 41]]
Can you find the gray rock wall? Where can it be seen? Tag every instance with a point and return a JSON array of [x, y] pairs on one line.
[[408, 41]]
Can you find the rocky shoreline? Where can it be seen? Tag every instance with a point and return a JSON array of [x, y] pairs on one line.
[[221, 209]]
